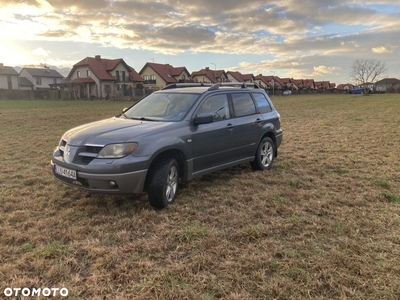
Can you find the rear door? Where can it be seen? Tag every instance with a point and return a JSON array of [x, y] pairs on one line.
[[248, 124]]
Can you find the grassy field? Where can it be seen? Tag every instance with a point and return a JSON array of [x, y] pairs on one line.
[[322, 224]]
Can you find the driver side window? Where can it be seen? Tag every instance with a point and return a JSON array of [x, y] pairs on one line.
[[216, 105]]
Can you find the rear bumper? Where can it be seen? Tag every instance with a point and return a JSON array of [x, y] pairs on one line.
[[121, 183]]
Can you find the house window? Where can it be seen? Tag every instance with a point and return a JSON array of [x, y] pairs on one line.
[[153, 77], [117, 76], [146, 77], [183, 77], [88, 73], [54, 80], [78, 74], [123, 76], [38, 81]]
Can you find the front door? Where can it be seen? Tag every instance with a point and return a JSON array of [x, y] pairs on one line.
[[212, 144]]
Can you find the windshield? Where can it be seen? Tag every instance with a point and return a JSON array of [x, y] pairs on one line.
[[162, 107]]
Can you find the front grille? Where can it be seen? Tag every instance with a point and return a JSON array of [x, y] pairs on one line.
[[93, 149], [84, 155], [62, 145], [88, 153]]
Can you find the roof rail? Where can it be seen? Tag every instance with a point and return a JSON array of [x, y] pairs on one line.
[[183, 85], [243, 85]]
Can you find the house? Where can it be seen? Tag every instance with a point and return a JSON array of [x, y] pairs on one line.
[[389, 85], [322, 85], [264, 82], [299, 83], [39, 78], [209, 76], [269, 82], [345, 87], [249, 78], [157, 76], [309, 84], [8, 78], [234, 76], [288, 83], [96, 77], [367, 87]]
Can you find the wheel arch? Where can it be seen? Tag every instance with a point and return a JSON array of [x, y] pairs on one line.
[[177, 154]]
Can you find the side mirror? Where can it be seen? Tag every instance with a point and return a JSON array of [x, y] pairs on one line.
[[205, 118]]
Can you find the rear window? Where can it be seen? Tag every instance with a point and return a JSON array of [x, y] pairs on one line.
[[262, 103], [243, 104]]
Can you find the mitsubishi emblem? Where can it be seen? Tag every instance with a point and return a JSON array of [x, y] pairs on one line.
[[67, 150]]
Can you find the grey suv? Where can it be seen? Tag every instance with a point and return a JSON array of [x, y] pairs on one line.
[[178, 133]]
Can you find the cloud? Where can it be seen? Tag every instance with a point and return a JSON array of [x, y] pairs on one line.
[[384, 50], [304, 38], [323, 70], [41, 52]]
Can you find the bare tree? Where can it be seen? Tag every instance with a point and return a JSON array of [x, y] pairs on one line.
[[367, 71]]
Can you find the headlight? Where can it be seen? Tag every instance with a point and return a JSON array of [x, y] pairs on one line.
[[117, 150]]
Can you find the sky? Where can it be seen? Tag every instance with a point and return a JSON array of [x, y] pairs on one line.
[[318, 39]]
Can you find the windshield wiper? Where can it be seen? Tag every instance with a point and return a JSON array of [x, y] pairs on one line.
[[142, 119]]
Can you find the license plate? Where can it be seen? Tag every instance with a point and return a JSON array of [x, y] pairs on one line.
[[65, 172]]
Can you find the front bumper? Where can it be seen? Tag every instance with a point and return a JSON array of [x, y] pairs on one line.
[[121, 183]]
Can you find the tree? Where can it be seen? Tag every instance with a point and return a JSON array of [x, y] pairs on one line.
[[366, 71]]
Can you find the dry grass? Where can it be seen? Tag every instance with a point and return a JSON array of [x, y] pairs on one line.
[[322, 224]]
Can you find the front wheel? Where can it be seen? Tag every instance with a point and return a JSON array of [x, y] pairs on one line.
[[163, 183], [265, 155]]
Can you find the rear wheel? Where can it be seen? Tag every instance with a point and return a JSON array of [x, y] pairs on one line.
[[265, 155], [163, 183]]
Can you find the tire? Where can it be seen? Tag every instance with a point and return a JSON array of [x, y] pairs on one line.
[[265, 155], [163, 183]]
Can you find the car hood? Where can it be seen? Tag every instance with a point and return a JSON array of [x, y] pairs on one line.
[[112, 130]]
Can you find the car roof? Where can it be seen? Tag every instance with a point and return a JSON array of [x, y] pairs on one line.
[[202, 88]]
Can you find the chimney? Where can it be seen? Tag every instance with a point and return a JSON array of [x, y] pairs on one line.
[[207, 68], [98, 57]]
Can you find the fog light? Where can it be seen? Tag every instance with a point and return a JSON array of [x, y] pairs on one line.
[[113, 183]]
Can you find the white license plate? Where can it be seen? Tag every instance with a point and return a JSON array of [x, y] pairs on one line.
[[65, 172]]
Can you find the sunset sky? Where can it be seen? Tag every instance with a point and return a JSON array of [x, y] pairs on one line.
[[316, 39]]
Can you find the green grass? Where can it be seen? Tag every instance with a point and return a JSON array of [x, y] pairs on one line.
[[321, 224]]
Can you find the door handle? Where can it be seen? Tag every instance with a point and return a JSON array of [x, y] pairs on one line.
[[258, 120], [230, 125]]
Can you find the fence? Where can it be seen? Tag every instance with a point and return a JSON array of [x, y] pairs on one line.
[[133, 94]]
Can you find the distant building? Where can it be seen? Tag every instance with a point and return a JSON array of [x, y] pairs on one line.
[[389, 85], [234, 76], [345, 87], [157, 76], [8, 78], [96, 77], [209, 76], [38, 78]]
